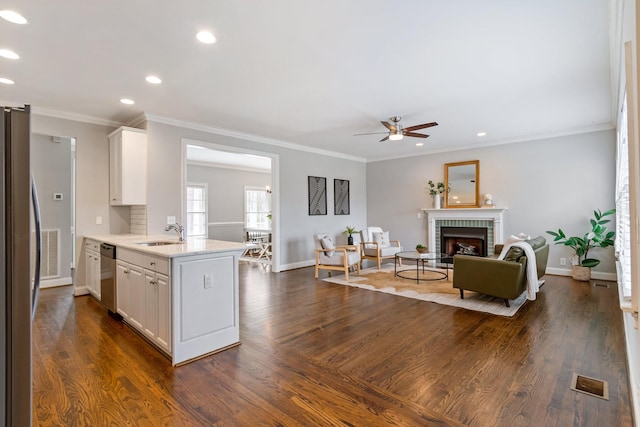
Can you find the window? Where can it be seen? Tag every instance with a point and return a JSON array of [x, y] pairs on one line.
[[257, 208], [197, 210], [623, 217]]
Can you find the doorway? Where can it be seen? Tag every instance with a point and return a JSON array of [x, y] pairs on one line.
[[228, 172], [53, 166]]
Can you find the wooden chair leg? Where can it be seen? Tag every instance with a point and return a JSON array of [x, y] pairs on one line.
[[316, 275]]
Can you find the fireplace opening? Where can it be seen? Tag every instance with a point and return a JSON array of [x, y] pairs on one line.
[[463, 241]]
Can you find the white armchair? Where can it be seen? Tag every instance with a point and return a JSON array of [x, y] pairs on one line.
[[375, 244], [331, 257]]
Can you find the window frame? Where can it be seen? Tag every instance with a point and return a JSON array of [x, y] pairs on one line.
[[205, 188], [267, 194]]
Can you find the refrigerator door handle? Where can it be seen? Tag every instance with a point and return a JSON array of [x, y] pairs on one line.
[[36, 280]]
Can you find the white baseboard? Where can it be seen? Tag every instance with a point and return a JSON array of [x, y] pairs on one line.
[[52, 283], [598, 275], [301, 264], [80, 290]]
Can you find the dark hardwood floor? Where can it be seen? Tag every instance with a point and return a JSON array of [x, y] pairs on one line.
[[315, 353]]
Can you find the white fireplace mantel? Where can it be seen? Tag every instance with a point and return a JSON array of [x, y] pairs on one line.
[[494, 214]]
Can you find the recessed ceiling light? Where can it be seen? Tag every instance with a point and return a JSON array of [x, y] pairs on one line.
[[6, 81], [12, 16], [127, 101], [481, 134], [206, 37], [153, 80], [419, 144], [6, 53]]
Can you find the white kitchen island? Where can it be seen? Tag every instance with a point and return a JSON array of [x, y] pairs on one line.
[[182, 297]]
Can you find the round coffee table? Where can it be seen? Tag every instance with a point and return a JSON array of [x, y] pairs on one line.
[[418, 257]]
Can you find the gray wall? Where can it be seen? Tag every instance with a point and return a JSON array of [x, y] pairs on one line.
[[545, 184], [226, 197], [51, 168], [295, 226]]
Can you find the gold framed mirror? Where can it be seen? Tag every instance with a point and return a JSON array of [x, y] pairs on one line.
[[462, 184]]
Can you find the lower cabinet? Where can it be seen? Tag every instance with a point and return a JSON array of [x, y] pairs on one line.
[[157, 322], [92, 267], [144, 296], [130, 283]]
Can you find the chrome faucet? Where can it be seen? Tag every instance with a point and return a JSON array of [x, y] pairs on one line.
[[178, 229]]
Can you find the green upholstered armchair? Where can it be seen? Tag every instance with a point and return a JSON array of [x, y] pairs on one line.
[[498, 278]]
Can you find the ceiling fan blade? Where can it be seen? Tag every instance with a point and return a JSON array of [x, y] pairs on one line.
[[389, 126], [372, 133], [384, 139], [422, 126], [415, 135]]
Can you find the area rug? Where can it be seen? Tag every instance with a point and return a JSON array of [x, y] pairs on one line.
[[438, 291]]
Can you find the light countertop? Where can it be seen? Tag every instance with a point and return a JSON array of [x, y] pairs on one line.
[[192, 246]]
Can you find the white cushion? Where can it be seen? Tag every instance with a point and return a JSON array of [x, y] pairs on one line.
[[382, 239], [327, 244], [384, 252]]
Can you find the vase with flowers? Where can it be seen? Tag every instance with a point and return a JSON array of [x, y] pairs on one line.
[[436, 190]]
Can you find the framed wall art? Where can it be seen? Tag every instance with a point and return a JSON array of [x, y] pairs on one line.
[[317, 195], [341, 204]]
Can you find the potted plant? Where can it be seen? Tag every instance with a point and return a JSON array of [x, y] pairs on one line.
[[598, 237], [436, 190], [349, 231], [422, 248]]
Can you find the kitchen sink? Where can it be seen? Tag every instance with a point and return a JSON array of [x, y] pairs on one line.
[[155, 243]]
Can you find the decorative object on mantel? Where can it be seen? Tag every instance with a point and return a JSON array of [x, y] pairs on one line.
[[436, 191], [422, 248], [488, 201], [349, 231], [598, 237]]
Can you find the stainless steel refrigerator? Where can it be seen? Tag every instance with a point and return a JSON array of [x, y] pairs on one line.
[[18, 294]]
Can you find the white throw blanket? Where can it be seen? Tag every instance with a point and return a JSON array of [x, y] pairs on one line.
[[533, 285]]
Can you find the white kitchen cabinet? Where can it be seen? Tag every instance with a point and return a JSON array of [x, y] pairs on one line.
[[144, 295], [92, 267], [128, 166], [130, 284], [156, 323]]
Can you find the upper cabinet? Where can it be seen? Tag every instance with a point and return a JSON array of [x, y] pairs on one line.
[[128, 166]]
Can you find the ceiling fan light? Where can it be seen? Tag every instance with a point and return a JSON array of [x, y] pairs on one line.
[[395, 136]]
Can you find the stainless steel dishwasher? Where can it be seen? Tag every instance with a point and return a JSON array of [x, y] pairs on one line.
[[108, 279]]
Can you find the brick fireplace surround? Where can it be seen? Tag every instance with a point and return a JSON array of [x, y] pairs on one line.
[[491, 218]]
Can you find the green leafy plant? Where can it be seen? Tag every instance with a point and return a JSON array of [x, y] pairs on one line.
[[350, 230], [436, 188], [419, 246], [598, 237]]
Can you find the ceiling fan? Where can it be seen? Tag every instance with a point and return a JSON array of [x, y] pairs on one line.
[[397, 132]]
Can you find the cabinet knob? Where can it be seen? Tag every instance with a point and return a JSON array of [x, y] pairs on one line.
[[126, 272], [153, 263]]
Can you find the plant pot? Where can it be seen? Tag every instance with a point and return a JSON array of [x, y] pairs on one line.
[[437, 202], [580, 273], [350, 240]]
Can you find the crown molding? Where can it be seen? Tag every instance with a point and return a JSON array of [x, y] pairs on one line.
[[250, 137], [492, 143], [65, 115], [224, 166]]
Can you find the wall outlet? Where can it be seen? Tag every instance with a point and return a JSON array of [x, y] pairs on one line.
[[57, 196], [171, 220], [563, 261], [98, 220]]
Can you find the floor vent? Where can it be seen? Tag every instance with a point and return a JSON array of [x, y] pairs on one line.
[[601, 285], [590, 386]]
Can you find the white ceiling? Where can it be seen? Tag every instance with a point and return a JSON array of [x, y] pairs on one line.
[[315, 73]]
